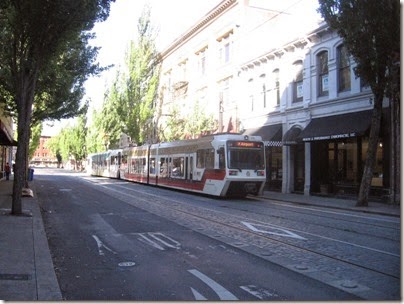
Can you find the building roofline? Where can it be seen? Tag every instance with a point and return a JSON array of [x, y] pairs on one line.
[[323, 27], [203, 22]]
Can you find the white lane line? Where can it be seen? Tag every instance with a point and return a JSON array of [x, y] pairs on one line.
[[222, 292], [101, 245]]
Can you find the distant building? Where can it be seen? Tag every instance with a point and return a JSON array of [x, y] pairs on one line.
[[42, 155]]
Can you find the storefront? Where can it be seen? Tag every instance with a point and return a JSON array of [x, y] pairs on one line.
[[272, 137], [338, 152], [6, 142]]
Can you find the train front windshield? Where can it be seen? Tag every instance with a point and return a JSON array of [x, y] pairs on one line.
[[248, 155]]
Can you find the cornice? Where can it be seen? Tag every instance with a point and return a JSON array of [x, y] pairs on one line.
[[208, 18]]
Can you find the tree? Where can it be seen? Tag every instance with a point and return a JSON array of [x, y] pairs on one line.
[[44, 61], [199, 123], [371, 33], [138, 89], [108, 122]]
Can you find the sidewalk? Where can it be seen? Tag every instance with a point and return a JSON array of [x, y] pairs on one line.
[[26, 267], [335, 203]]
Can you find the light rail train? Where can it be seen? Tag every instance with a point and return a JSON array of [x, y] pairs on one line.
[[218, 164]]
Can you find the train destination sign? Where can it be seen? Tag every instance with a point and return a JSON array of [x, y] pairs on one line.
[[245, 144]]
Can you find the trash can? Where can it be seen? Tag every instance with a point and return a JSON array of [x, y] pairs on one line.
[[30, 174]]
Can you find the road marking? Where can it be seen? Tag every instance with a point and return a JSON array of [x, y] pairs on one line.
[[101, 245], [222, 292], [160, 240], [271, 229], [197, 295], [260, 293]]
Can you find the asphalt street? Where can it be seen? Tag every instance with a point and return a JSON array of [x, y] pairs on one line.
[[105, 248]]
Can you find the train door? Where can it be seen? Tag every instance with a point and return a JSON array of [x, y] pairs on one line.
[[188, 166]]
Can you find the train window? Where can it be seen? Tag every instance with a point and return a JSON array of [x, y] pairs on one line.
[[178, 167], [163, 167], [152, 165], [205, 158], [245, 155]]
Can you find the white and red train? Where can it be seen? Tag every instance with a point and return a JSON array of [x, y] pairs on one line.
[[219, 164]]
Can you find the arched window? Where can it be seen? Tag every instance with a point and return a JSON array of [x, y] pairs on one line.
[[344, 69], [275, 79], [322, 67], [263, 91], [298, 81], [251, 93]]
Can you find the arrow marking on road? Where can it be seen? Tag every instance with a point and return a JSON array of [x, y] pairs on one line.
[[197, 295], [101, 245], [271, 229], [222, 292]]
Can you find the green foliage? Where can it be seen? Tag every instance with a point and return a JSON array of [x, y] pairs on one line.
[[199, 123], [36, 131], [71, 142], [139, 82], [191, 126], [44, 62], [371, 32]]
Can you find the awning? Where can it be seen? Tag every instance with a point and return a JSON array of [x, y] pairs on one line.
[[271, 134], [291, 136], [5, 138], [337, 126]]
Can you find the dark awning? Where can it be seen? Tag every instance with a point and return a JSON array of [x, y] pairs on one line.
[[337, 126], [5, 138], [291, 135], [271, 134]]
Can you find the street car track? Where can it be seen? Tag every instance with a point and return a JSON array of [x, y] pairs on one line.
[[199, 214]]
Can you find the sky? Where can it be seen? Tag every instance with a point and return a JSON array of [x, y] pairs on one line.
[[170, 17]]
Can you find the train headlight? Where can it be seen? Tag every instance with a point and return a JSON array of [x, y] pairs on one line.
[[260, 173], [233, 172]]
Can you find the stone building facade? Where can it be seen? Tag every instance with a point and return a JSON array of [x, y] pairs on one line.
[[281, 73]]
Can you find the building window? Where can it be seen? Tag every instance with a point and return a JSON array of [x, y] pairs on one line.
[[182, 72], [344, 69], [276, 95], [263, 92], [202, 61], [251, 93], [322, 64], [225, 49], [224, 86], [298, 81]]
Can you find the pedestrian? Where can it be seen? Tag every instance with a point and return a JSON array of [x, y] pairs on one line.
[[8, 170]]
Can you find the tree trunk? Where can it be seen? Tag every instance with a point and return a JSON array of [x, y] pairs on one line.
[[367, 176], [24, 99]]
